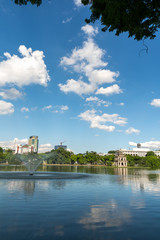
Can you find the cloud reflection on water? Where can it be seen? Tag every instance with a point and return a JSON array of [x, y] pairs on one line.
[[106, 215]]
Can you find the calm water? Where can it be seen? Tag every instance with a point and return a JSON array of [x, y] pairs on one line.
[[110, 204]]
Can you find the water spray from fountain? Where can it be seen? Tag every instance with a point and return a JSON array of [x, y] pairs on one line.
[[32, 160]]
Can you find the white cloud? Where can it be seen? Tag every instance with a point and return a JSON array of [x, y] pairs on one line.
[[107, 104], [92, 99], [24, 109], [12, 143], [64, 108], [6, 108], [79, 87], [98, 101], [89, 30], [85, 59], [133, 144], [61, 108], [132, 130], [121, 104], [11, 93], [67, 20], [150, 144], [155, 103], [102, 76], [78, 3], [47, 107], [45, 148], [25, 70], [88, 61], [98, 121], [114, 89]]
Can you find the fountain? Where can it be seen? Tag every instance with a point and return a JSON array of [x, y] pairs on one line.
[[31, 161]]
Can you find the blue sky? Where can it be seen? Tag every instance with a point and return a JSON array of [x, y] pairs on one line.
[[67, 81]]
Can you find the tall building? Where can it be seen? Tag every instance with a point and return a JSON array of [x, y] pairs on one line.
[[60, 146], [33, 142]]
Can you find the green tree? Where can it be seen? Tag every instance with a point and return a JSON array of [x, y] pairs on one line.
[[112, 152], [140, 18], [150, 153], [1, 155], [152, 162], [24, 2], [131, 160]]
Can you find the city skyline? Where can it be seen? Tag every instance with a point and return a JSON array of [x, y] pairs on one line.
[[63, 80]]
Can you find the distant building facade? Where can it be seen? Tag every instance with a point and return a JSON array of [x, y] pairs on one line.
[[31, 147], [120, 160], [33, 141], [60, 146], [139, 151]]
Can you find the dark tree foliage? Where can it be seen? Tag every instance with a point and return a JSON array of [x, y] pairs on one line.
[[24, 2], [140, 18], [150, 153]]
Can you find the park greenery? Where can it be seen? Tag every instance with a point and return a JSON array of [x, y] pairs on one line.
[[139, 18], [62, 156]]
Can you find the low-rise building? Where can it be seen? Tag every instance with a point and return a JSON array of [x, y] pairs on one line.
[[31, 147], [120, 159]]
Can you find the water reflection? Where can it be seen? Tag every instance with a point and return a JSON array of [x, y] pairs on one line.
[[117, 204], [27, 187], [138, 179], [107, 215]]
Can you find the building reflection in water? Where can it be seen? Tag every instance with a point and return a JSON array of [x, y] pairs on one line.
[[27, 186], [139, 180], [121, 171]]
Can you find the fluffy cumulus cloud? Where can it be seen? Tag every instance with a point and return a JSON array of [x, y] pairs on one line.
[[99, 121], [79, 87], [12, 143], [150, 144], [85, 59], [89, 30], [30, 68], [132, 130], [24, 109], [88, 61], [6, 108], [114, 89], [45, 148], [155, 103], [11, 93], [103, 76]]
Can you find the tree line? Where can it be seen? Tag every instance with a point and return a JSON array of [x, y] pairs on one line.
[[62, 156]]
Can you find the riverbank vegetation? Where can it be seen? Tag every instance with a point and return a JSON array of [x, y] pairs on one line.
[[62, 156]]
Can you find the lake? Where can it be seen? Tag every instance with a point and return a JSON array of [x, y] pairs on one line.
[[104, 204]]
